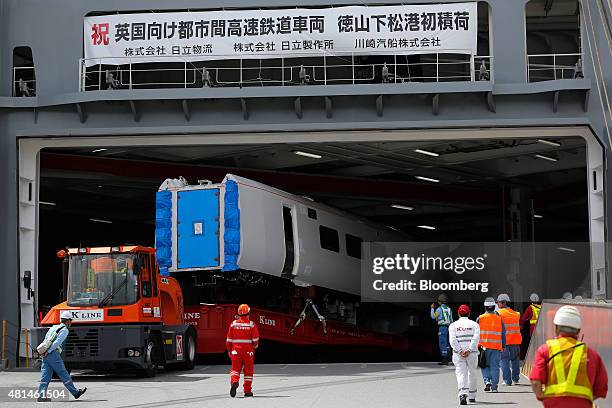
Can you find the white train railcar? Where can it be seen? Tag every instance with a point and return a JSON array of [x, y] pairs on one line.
[[240, 224]]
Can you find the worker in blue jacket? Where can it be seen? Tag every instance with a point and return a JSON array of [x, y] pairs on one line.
[[52, 360], [443, 315]]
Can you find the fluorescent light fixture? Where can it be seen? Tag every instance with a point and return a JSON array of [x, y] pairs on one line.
[[538, 216], [549, 142], [98, 150], [402, 207], [427, 152], [46, 203], [566, 249], [99, 220], [427, 227], [433, 180], [306, 154], [549, 158]]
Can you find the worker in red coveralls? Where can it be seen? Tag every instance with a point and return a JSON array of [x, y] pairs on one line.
[[241, 342], [566, 372]]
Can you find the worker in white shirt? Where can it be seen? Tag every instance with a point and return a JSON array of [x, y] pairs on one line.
[[464, 337]]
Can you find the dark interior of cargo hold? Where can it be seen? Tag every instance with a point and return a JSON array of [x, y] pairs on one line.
[[481, 190]]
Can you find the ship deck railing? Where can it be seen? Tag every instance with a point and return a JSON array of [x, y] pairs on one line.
[[547, 67], [327, 69]]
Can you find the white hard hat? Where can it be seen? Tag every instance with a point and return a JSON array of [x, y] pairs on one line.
[[66, 314], [503, 297], [534, 297], [568, 316], [567, 295], [489, 302]]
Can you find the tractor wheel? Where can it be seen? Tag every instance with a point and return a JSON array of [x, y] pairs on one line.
[[150, 359], [189, 348]]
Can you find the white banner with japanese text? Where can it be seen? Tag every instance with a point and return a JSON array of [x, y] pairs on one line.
[[233, 34]]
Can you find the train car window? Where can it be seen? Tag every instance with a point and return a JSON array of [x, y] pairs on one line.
[[329, 239], [289, 243], [353, 246], [312, 213]]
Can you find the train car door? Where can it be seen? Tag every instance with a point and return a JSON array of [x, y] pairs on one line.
[[290, 241]]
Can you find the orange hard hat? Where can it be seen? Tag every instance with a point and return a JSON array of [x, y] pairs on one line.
[[243, 309]]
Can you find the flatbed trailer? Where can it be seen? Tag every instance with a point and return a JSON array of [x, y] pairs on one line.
[[212, 322]]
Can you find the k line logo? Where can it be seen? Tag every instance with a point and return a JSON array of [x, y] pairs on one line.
[[94, 315], [266, 321]]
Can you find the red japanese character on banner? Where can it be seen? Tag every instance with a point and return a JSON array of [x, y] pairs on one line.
[[99, 34]]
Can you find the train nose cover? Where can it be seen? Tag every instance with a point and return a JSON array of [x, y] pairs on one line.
[[196, 212]]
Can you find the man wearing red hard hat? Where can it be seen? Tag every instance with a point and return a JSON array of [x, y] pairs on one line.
[[241, 342], [464, 337]]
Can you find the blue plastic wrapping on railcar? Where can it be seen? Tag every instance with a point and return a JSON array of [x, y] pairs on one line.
[[163, 230], [231, 236]]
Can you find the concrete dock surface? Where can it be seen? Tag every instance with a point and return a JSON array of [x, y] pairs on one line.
[[275, 385]]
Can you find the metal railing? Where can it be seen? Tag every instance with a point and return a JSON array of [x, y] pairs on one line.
[[24, 81], [547, 67], [128, 73]]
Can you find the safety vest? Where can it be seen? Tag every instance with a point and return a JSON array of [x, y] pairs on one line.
[[535, 312], [447, 316], [490, 331], [567, 370], [513, 328]]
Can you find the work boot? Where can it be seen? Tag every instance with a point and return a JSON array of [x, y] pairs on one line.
[[487, 387], [248, 394], [463, 399], [444, 361], [81, 392], [233, 389]]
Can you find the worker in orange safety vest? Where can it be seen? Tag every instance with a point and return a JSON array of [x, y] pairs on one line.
[[510, 356], [573, 375], [493, 341], [241, 342]]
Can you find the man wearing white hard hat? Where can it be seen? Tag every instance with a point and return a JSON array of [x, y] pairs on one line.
[[52, 359], [566, 373], [510, 363], [493, 341]]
